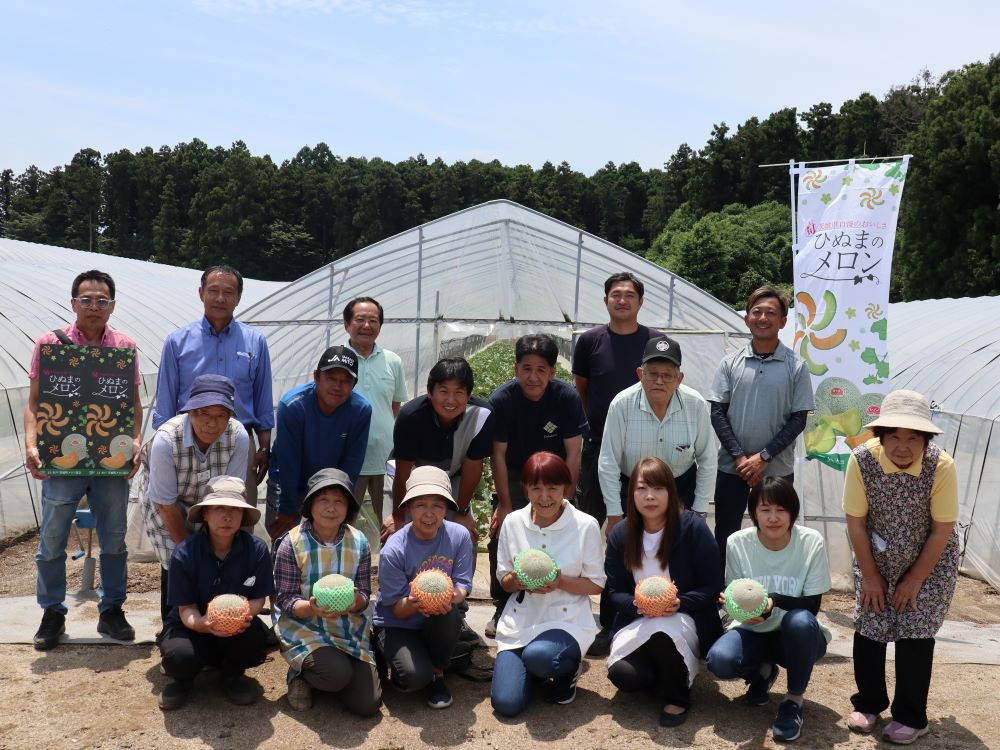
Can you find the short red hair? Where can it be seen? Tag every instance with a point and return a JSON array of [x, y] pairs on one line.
[[545, 468]]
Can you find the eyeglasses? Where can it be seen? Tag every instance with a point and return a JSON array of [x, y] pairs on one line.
[[660, 377], [101, 303]]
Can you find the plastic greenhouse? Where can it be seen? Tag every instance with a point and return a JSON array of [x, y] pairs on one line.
[[949, 350], [152, 300], [491, 272]]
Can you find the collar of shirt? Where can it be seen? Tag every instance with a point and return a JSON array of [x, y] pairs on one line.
[[308, 528], [565, 518], [207, 544], [210, 329], [376, 349], [454, 425], [77, 337], [778, 355], [673, 407], [890, 468]]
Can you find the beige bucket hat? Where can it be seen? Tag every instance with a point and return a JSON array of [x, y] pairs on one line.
[[908, 410]]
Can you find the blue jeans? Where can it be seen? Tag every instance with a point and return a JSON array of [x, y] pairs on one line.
[[108, 500], [554, 654], [797, 646]]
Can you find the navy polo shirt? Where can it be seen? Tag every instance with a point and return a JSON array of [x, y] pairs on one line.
[[531, 426], [418, 436], [197, 576]]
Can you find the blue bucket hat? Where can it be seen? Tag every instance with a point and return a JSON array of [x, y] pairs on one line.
[[211, 390]]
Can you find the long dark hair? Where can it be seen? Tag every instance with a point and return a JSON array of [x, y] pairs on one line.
[[654, 473]]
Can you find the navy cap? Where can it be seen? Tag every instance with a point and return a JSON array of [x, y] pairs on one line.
[[211, 390]]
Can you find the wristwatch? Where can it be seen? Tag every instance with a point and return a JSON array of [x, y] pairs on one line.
[[464, 511], [765, 455]]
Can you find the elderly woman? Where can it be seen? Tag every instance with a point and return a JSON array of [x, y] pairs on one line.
[[543, 633], [326, 649], [790, 562], [901, 502], [661, 654], [187, 450], [418, 643], [220, 558]]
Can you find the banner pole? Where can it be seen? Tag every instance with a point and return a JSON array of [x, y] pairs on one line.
[[795, 223]]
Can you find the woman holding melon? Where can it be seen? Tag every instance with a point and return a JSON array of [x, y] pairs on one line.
[[218, 580], [425, 570], [549, 558], [775, 612], [322, 574], [663, 581]]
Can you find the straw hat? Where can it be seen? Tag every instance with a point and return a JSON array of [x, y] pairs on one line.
[[908, 410], [225, 498], [429, 480]]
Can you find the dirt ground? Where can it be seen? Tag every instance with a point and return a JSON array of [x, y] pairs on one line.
[[105, 697]]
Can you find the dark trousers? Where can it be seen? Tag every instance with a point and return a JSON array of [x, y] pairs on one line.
[[589, 497], [657, 667], [164, 607], [413, 655], [914, 660], [517, 501], [731, 494], [186, 652], [354, 681]]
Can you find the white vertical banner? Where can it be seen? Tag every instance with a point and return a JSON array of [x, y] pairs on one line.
[[845, 231]]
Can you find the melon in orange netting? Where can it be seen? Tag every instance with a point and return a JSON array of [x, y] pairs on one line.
[[655, 596], [228, 613], [433, 589]]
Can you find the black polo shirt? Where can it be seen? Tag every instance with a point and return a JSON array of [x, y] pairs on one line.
[[531, 426], [197, 576], [418, 436]]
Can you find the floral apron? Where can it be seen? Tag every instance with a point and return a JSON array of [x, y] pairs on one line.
[[899, 514]]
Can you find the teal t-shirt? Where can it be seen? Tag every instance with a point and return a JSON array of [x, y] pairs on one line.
[[800, 569]]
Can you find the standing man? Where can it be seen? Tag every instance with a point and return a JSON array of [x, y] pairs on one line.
[[604, 364], [760, 397], [661, 417], [448, 428], [220, 345], [93, 301], [381, 380], [533, 412], [321, 425]]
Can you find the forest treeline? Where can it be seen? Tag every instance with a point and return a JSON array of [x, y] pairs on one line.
[[710, 214]]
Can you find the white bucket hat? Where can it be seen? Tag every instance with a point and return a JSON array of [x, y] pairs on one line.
[[908, 410]]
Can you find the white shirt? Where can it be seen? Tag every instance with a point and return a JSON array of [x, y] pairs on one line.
[[574, 541]]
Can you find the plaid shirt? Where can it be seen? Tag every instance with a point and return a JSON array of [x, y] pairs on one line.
[[633, 432], [302, 560]]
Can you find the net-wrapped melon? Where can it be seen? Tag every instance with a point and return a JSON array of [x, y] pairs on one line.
[[745, 599], [434, 590], [535, 568], [228, 613], [334, 592], [655, 596]]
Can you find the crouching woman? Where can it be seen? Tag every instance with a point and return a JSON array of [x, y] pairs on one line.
[[326, 649], [218, 559]]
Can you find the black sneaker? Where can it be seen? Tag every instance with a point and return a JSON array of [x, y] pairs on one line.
[[438, 694], [239, 689], [601, 645], [760, 686], [53, 625], [564, 689], [788, 723], [467, 634], [113, 624], [174, 695]]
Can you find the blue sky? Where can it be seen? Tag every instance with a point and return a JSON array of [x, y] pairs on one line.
[[522, 82]]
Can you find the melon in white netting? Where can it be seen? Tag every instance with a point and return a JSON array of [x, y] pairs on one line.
[[535, 568], [334, 592], [745, 599]]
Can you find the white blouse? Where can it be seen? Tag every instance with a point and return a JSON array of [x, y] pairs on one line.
[[574, 541]]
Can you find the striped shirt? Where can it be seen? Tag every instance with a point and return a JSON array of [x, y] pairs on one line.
[[633, 432]]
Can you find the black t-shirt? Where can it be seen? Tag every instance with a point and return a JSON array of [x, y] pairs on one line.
[[418, 436], [531, 426], [608, 361]]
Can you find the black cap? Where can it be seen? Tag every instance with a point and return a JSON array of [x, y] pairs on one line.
[[339, 356], [662, 347]]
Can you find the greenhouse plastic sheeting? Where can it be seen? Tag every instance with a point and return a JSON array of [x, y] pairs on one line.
[[152, 300], [488, 273]]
